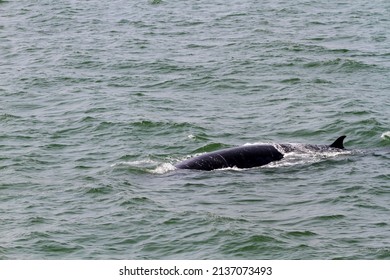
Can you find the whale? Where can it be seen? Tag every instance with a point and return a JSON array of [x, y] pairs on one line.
[[251, 155]]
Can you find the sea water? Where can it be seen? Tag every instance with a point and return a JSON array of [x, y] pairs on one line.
[[99, 99]]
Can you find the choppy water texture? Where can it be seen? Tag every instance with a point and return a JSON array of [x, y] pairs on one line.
[[98, 100]]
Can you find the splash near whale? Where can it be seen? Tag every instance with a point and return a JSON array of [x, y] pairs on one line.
[[252, 155]]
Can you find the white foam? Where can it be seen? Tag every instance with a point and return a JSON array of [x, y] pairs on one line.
[[234, 168], [257, 143], [386, 135], [147, 165], [163, 168], [136, 163], [302, 154]]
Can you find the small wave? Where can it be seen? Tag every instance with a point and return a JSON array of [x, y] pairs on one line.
[[7, 117], [258, 143], [386, 135], [234, 168], [137, 166], [340, 65], [136, 163], [305, 233], [163, 168], [147, 166]]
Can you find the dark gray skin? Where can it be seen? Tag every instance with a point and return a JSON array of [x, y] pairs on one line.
[[247, 156]]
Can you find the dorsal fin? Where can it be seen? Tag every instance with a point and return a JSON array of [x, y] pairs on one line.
[[338, 143]]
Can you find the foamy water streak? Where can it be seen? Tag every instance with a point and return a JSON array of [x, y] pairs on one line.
[[163, 168]]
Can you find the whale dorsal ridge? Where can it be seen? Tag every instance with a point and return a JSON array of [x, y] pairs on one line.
[[338, 143]]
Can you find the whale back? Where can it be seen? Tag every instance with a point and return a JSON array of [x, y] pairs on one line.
[[241, 157], [249, 156]]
